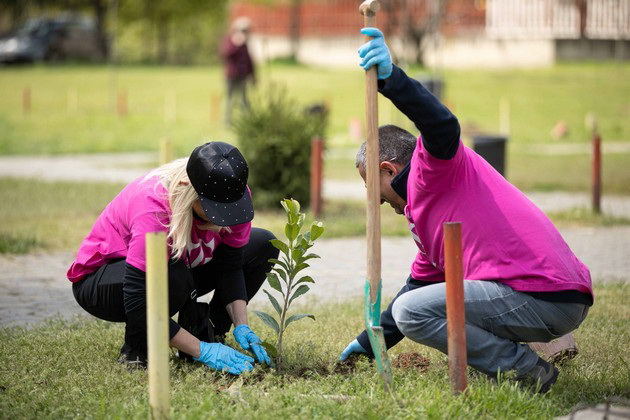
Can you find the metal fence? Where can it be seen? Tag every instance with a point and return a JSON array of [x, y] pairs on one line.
[[558, 19]]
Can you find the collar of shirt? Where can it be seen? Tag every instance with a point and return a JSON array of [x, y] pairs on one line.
[[399, 182]]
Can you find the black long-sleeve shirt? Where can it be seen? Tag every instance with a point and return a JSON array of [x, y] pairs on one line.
[[227, 263]]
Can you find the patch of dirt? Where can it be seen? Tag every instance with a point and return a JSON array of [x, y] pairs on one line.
[[412, 361], [347, 366]]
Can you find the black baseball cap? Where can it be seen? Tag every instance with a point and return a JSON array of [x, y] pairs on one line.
[[218, 172]]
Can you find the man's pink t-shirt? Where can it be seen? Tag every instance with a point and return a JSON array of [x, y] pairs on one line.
[[505, 237], [142, 207]]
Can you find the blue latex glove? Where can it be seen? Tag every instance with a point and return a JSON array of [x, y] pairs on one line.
[[220, 357], [250, 341], [353, 347], [375, 52]]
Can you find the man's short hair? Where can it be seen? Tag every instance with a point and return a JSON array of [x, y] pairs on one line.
[[394, 145]]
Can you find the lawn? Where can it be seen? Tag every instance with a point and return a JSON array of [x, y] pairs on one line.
[[73, 108], [67, 369]]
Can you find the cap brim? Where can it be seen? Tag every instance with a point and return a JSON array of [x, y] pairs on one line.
[[229, 214]]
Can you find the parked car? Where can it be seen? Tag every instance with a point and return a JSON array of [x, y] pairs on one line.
[[52, 39]]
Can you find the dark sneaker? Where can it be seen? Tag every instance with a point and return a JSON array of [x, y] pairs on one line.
[[540, 377], [132, 359]]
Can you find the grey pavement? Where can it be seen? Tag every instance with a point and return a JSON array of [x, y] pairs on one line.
[[35, 287]]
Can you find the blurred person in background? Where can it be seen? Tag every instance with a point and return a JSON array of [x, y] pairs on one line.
[[239, 67]]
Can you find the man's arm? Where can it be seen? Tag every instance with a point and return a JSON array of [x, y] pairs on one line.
[[439, 127], [391, 332]]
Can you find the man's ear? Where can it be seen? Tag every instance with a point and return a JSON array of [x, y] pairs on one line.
[[389, 167]]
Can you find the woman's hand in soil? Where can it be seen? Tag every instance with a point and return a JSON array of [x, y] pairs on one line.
[[250, 341], [375, 52], [353, 347], [220, 357]]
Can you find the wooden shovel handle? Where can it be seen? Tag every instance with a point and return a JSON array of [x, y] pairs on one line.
[[368, 9]]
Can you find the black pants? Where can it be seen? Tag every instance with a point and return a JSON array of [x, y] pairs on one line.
[[101, 293]]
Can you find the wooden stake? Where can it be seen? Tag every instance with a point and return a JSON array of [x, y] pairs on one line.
[[157, 324], [455, 313], [317, 146], [597, 173], [215, 107], [122, 103], [166, 151]]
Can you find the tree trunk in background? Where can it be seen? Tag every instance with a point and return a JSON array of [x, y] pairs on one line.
[[294, 28], [100, 13]]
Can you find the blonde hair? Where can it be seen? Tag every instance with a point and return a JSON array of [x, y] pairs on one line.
[[181, 198]]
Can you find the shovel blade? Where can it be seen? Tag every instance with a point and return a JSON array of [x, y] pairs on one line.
[[372, 315]]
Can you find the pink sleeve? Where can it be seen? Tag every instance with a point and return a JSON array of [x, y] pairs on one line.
[[141, 225], [438, 174], [239, 237]]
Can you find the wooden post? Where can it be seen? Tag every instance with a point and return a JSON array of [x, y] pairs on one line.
[[455, 313], [317, 146], [597, 172], [166, 151], [26, 100], [157, 324], [122, 103], [215, 107]]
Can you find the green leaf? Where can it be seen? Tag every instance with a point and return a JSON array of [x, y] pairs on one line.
[[282, 273], [285, 205], [296, 205], [274, 302], [300, 221], [270, 349], [299, 292], [309, 256], [282, 264], [278, 244], [297, 317], [305, 279], [317, 228], [296, 254], [269, 320], [299, 267], [291, 231], [274, 282], [289, 205]]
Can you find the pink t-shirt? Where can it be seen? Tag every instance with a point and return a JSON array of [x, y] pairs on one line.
[[505, 237], [142, 207]]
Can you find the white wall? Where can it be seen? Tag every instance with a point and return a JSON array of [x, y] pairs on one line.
[[464, 52]]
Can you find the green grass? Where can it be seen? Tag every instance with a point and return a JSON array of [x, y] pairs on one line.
[[67, 369], [581, 216], [43, 215], [538, 98]]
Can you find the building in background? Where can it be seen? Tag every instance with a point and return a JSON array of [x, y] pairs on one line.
[[444, 33]]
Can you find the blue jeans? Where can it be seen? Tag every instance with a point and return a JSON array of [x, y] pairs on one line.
[[498, 319]]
